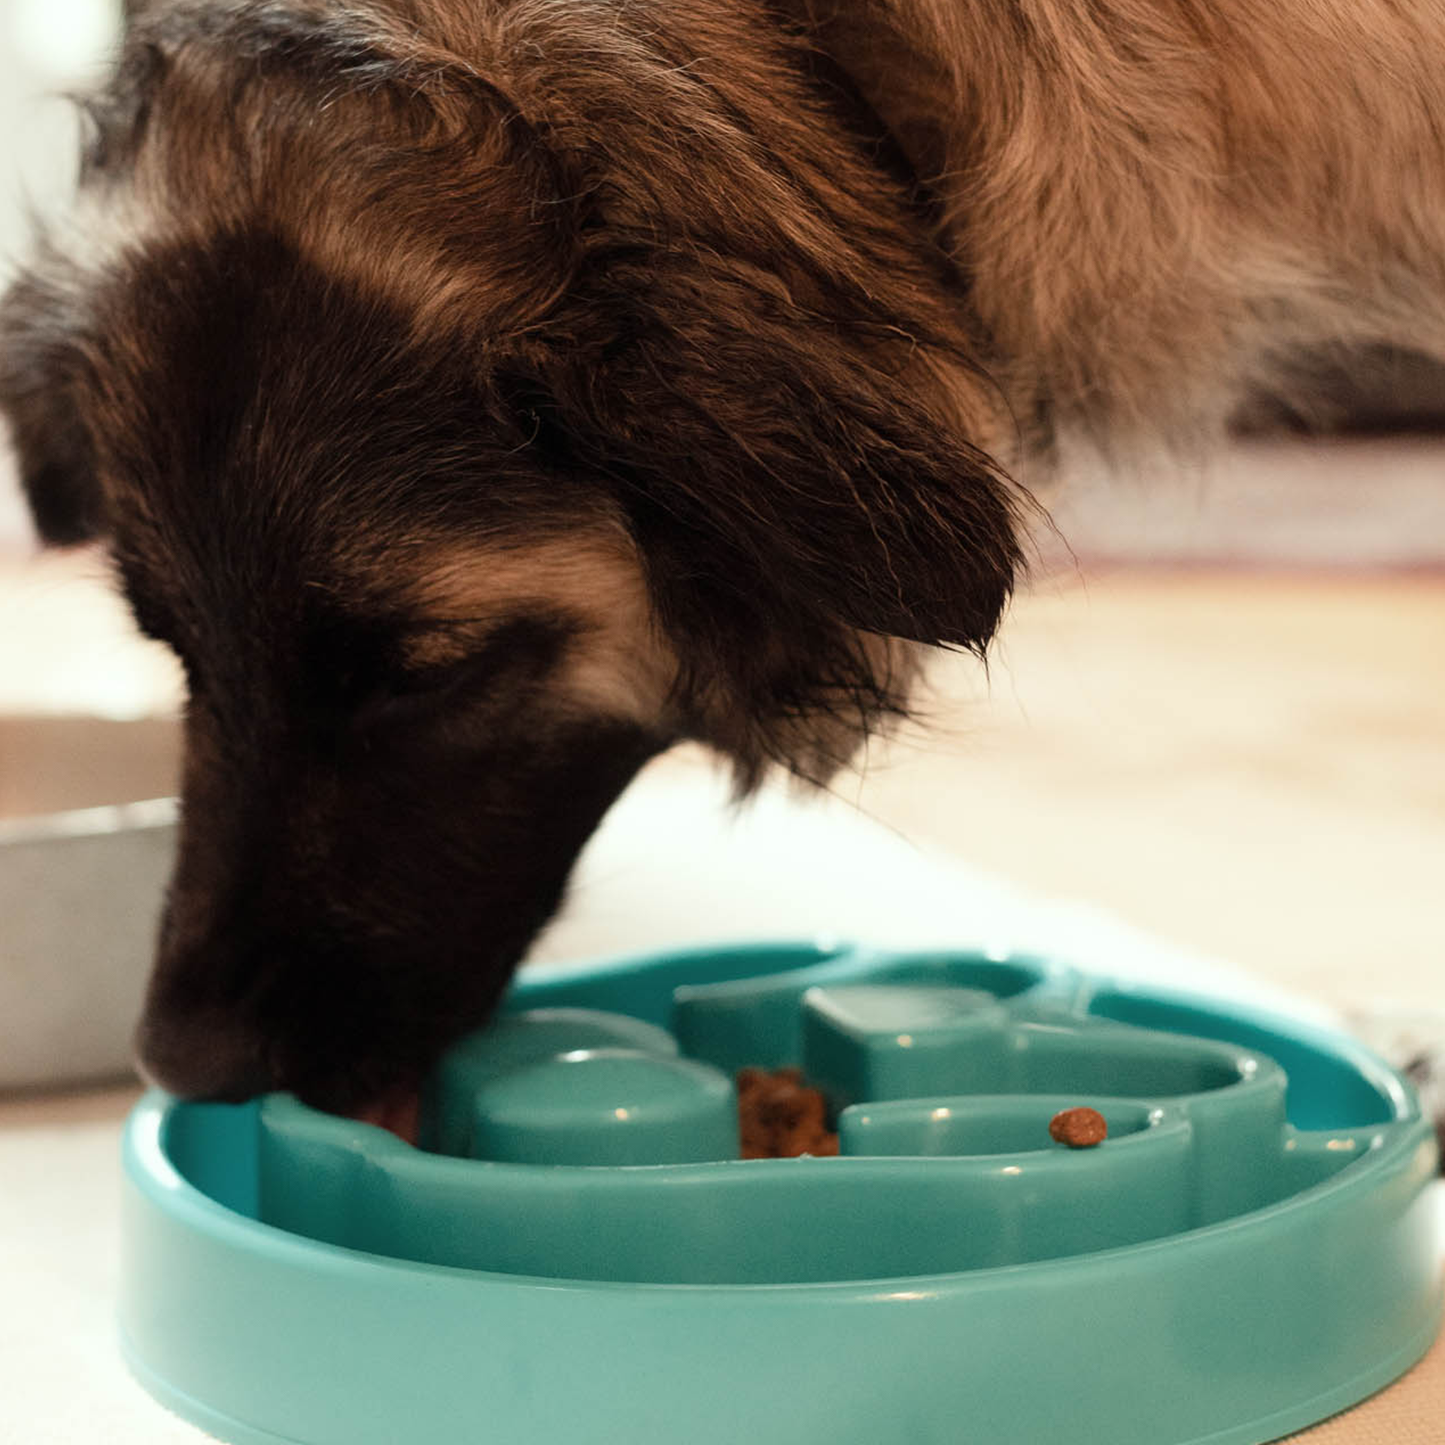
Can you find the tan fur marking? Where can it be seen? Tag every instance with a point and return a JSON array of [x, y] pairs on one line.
[[620, 663]]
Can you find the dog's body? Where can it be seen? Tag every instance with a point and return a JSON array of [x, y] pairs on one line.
[[481, 395], [1170, 210]]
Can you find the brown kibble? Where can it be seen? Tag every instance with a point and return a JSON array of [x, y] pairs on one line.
[[780, 1117], [1079, 1128]]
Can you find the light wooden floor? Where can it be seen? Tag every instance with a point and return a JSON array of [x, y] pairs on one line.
[[1251, 764]]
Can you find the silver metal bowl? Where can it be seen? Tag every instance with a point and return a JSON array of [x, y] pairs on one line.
[[80, 891]]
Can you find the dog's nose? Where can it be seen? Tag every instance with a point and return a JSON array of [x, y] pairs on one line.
[[214, 1060]]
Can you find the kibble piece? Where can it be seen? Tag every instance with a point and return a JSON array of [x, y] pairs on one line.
[[780, 1117], [1079, 1128]]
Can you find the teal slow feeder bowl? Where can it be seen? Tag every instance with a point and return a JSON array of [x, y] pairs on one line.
[[575, 1255]]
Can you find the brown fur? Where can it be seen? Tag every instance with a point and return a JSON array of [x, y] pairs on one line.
[[481, 395], [1168, 207]]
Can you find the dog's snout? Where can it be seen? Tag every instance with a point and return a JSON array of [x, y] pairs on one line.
[[214, 1060]]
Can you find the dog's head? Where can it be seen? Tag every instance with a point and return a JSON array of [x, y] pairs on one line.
[[475, 416]]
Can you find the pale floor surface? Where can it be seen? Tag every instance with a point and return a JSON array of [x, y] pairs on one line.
[[1251, 764]]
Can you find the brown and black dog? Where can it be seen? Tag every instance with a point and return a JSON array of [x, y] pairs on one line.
[[481, 395]]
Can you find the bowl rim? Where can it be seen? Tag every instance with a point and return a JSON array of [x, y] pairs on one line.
[[102, 820]]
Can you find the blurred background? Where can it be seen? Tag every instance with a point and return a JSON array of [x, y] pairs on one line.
[[1217, 711]]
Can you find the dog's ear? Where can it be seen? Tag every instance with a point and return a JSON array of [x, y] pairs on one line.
[[39, 399], [780, 451]]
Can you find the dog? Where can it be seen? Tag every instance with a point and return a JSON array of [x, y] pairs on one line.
[[481, 396]]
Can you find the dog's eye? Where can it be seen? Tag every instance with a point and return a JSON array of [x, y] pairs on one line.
[[416, 682], [518, 649]]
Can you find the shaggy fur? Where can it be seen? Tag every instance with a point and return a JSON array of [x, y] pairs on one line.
[[1168, 208], [481, 395]]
